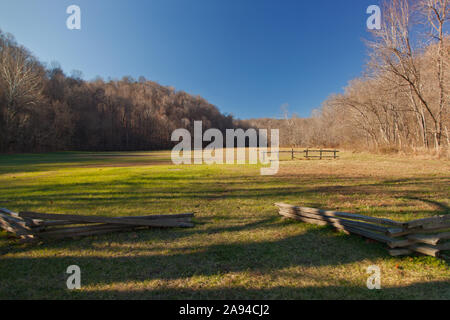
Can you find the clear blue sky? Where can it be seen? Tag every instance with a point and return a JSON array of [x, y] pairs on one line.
[[247, 57]]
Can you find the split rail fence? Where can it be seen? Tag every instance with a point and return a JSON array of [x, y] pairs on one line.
[[307, 154], [427, 236], [32, 226]]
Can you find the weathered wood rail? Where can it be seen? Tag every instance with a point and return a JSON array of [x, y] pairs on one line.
[[308, 153], [32, 226], [426, 236]]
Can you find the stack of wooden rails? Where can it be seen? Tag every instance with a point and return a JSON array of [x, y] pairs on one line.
[[32, 226], [427, 236]]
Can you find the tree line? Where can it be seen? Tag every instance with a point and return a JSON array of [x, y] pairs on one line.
[[400, 102], [42, 109]]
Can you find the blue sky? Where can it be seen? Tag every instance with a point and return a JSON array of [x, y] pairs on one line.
[[247, 57]]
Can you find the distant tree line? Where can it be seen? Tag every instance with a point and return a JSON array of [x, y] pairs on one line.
[[42, 109], [401, 102]]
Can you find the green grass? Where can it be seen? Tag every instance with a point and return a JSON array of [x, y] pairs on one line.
[[240, 248]]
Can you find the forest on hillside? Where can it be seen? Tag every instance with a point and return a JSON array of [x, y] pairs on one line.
[[42, 109], [399, 103]]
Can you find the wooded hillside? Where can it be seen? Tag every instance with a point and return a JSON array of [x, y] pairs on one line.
[[42, 109], [401, 102]]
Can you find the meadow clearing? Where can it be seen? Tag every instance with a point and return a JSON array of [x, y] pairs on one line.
[[240, 247]]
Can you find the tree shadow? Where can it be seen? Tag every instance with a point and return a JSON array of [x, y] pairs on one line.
[[229, 188], [106, 266], [433, 290], [140, 260], [152, 235], [443, 208], [102, 265]]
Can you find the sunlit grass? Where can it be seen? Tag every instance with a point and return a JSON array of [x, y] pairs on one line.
[[239, 248]]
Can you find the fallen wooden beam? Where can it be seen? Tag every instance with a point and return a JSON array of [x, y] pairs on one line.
[[432, 239], [400, 252], [337, 219], [32, 226], [433, 221], [161, 216], [8, 212], [424, 249], [50, 223], [98, 219], [416, 233], [330, 213], [401, 243], [399, 232], [14, 216], [78, 231], [7, 227], [68, 230], [88, 233], [15, 229], [346, 227], [429, 251], [16, 225]]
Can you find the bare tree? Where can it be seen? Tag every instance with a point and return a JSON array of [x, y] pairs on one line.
[[436, 14], [394, 52], [21, 82]]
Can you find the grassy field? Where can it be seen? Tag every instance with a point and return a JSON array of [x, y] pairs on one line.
[[240, 248]]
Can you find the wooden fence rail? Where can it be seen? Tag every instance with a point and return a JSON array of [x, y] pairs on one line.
[[308, 153], [32, 226], [402, 238]]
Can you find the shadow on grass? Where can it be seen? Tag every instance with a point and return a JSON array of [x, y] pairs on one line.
[[443, 208], [316, 247], [103, 265], [9, 245], [120, 259], [148, 190], [436, 290], [32, 272], [20, 163]]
